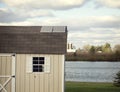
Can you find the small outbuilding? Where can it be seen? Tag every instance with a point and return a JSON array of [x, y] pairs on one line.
[[32, 58]]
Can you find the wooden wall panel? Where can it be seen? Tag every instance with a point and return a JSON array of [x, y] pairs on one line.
[[32, 83], [56, 76], [46, 81], [27, 83], [0, 68], [60, 72], [39, 82], [51, 75], [22, 72], [18, 79], [36, 79], [46, 84]]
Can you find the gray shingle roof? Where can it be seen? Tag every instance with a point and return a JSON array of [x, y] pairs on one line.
[[33, 39]]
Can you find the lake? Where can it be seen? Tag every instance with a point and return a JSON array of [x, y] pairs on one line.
[[91, 71]]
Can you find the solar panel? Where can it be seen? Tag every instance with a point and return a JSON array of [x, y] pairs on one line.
[[59, 29], [46, 29]]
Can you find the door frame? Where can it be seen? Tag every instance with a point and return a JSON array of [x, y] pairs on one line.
[[13, 56]]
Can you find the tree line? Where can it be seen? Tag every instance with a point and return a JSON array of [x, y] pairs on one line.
[[95, 53]]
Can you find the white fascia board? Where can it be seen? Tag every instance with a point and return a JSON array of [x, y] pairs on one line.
[[7, 54]]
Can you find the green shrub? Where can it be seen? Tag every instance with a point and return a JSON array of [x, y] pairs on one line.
[[117, 79]]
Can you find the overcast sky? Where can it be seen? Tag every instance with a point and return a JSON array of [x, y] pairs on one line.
[[92, 22]]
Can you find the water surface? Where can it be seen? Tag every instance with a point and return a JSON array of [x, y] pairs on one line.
[[91, 71]]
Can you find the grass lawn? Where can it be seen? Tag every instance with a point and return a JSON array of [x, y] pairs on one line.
[[90, 87]]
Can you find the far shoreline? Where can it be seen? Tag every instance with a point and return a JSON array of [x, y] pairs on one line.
[[93, 57], [91, 61]]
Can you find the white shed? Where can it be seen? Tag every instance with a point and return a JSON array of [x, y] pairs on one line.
[[32, 58]]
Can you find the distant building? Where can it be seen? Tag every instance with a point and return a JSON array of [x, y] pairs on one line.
[[70, 47], [99, 51]]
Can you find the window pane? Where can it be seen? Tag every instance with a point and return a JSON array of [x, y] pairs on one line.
[[41, 62], [40, 66], [35, 70], [40, 70], [41, 58], [35, 66], [35, 58], [35, 62]]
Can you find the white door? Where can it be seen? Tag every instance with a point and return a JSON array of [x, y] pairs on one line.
[[7, 73]]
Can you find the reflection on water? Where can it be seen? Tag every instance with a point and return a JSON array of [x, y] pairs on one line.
[[91, 71]]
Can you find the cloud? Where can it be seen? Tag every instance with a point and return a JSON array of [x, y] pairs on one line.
[[94, 30], [58, 4], [9, 15], [19, 10], [80, 39], [45, 4], [109, 3], [86, 23], [101, 35], [78, 24]]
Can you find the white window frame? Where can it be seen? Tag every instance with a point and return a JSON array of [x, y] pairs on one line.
[[29, 63]]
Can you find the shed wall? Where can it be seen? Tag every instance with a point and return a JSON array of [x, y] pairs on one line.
[[40, 82]]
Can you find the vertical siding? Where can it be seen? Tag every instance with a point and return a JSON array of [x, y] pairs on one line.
[[60, 74], [0, 68], [41, 85], [32, 82], [36, 79], [39, 82], [18, 80], [27, 83], [5, 70], [56, 87], [51, 75], [22, 73], [46, 81]]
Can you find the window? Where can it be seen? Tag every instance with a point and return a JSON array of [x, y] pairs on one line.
[[38, 64]]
